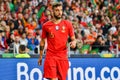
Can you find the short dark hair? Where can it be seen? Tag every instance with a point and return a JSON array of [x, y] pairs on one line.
[[22, 47], [56, 4]]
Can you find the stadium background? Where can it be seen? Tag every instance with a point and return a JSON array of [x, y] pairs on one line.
[[21, 22]]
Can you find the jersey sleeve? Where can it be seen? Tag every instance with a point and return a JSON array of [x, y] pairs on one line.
[[71, 30], [43, 32]]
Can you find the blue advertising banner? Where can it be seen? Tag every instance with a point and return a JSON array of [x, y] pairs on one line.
[[80, 69]]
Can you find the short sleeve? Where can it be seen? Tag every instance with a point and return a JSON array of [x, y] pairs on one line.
[[43, 32], [71, 30]]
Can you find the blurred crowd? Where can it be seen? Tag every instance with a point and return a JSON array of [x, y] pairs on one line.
[[96, 24]]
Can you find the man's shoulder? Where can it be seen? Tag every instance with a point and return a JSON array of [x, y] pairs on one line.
[[22, 55], [66, 21], [47, 23]]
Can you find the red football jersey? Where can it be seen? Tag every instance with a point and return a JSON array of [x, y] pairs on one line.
[[57, 36]]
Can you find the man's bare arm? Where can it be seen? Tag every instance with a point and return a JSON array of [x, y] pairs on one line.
[[42, 44]]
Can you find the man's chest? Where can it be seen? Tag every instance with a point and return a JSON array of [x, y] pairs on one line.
[[57, 31]]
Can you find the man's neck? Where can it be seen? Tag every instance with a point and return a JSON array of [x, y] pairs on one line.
[[56, 21]]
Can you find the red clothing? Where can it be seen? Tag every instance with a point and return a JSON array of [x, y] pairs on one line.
[[3, 44], [43, 18], [57, 36], [84, 24], [56, 68], [30, 26]]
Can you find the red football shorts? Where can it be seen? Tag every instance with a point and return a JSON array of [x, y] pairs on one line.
[[55, 68]]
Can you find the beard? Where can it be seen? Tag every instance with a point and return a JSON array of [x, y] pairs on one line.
[[57, 17]]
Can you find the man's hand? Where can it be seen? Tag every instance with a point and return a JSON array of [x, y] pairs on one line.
[[73, 44], [40, 61]]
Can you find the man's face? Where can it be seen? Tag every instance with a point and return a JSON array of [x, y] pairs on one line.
[[17, 39], [57, 12], [99, 39]]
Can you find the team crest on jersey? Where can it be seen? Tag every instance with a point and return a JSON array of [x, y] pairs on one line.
[[63, 28], [56, 27]]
